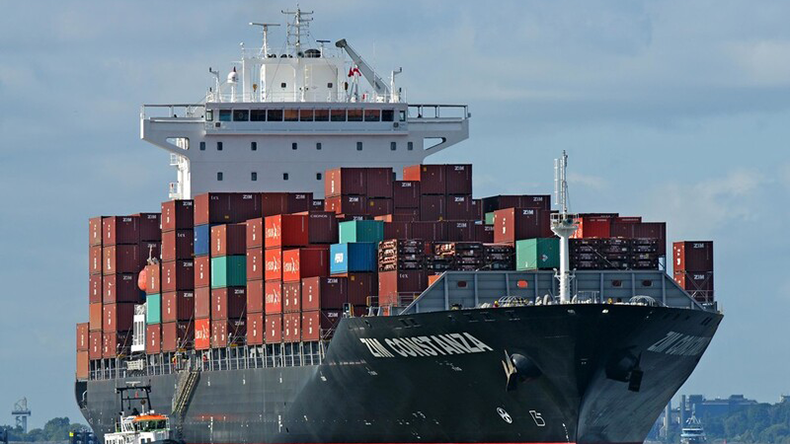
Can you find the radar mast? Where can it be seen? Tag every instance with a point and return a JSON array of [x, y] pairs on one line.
[[563, 224]]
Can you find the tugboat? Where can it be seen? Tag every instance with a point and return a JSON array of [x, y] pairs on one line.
[[139, 428], [693, 432]]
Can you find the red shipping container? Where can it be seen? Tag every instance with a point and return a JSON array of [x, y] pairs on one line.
[[429, 231], [273, 263], [228, 302], [177, 336], [285, 203], [317, 325], [344, 181], [118, 230], [202, 303], [83, 365], [291, 297], [116, 344], [228, 240], [83, 338], [121, 288], [273, 297], [692, 256], [653, 230], [153, 339], [460, 231], [484, 233], [213, 208], [255, 296], [121, 259], [226, 332], [458, 179], [400, 288], [178, 306], [691, 281], [95, 235], [397, 230], [317, 205], [95, 316], [513, 224], [95, 288], [255, 263], [379, 182], [177, 215], [540, 201], [286, 230], [118, 317], [255, 329], [292, 327], [431, 177], [406, 215], [150, 226], [178, 275], [177, 244], [406, 194], [95, 260], [593, 227], [153, 279], [477, 209], [627, 220], [202, 334], [346, 204], [254, 236], [149, 250], [322, 227], [274, 328], [302, 263], [378, 206], [459, 208], [96, 342], [433, 207], [360, 286], [324, 293], [202, 266]]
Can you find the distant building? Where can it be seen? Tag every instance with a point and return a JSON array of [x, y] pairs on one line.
[[700, 407]]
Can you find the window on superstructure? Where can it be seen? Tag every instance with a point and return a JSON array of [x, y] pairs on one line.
[[219, 146], [291, 115], [387, 115], [338, 115], [372, 115], [330, 85], [283, 85], [254, 146], [359, 146], [355, 115], [285, 176], [258, 115], [393, 146], [322, 115], [306, 115], [318, 146], [294, 146], [209, 115], [202, 146], [274, 115], [254, 176], [219, 175], [224, 115], [410, 146], [319, 176], [241, 115], [402, 116]]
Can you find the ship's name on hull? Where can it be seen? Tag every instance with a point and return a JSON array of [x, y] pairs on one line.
[[424, 346], [680, 344]]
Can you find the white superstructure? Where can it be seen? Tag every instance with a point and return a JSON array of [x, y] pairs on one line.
[[278, 119]]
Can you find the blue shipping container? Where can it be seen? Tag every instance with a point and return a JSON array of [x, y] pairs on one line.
[[352, 257], [202, 239]]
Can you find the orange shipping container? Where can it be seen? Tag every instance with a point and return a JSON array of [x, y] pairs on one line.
[[301, 263], [272, 295], [95, 315], [255, 296], [82, 337], [286, 230], [83, 365], [153, 339], [255, 329], [292, 327], [95, 345], [273, 259], [255, 263], [202, 334]]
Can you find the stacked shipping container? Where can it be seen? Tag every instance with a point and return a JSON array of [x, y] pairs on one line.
[[693, 268]]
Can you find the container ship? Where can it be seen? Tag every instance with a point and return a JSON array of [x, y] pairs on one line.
[[314, 280]]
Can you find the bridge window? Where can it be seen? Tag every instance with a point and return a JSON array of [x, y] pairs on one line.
[[372, 115], [294, 146], [387, 115], [402, 116], [617, 283], [274, 115], [209, 115], [254, 146], [224, 115], [359, 146], [291, 115], [393, 146], [355, 115], [219, 175], [318, 176], [254, 176], [219, 146], [322, 115], [410, 146], [241, 115], [283, 85], [306, 115], [285, 176], [202, 146], [318, 146], [338, 115], [258, 115], [330, 85]]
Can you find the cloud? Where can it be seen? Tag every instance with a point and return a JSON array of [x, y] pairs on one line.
[[589, 181]]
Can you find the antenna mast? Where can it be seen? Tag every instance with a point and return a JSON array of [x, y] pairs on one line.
[[265, 26], [295, 29], [563, 224]]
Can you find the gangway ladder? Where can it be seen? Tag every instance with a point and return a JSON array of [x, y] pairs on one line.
[[187, 381]]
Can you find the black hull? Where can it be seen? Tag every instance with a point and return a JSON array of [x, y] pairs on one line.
[[589, 390]]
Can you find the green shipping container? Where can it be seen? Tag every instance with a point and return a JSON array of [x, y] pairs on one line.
[[153, 309], [361, 231], [538, 254], [228, 271], [490, 218]]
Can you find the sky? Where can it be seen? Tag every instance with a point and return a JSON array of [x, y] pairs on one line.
[[676, 111]]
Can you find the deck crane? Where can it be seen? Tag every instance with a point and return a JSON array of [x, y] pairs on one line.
[[375, 81]]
